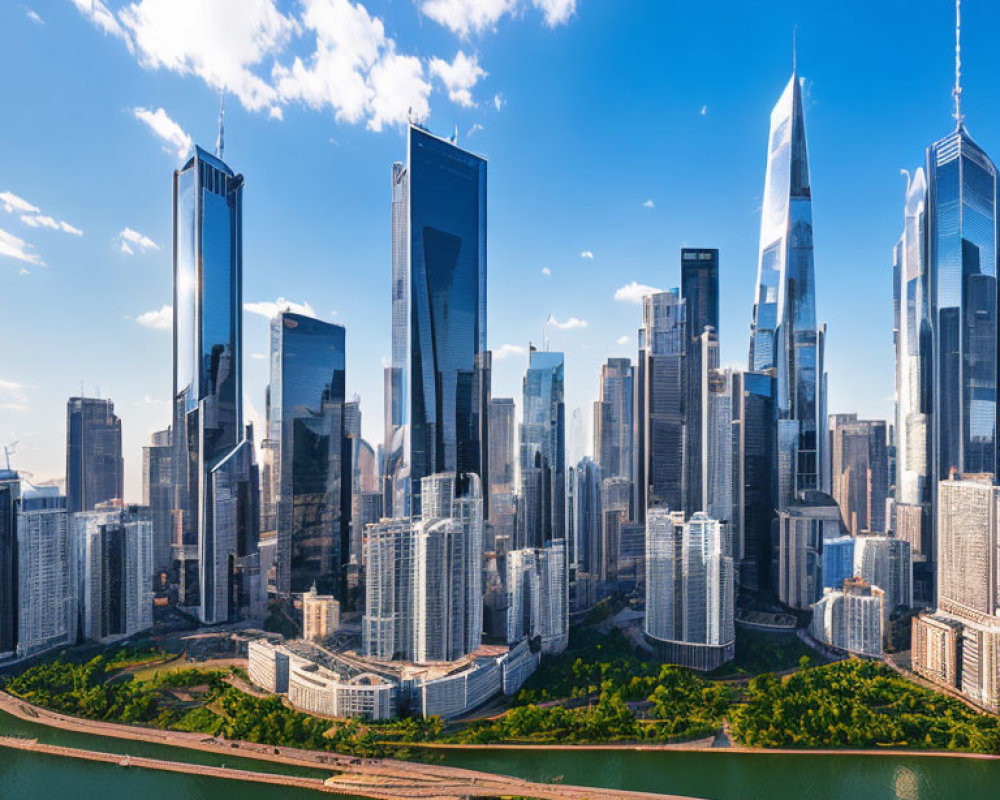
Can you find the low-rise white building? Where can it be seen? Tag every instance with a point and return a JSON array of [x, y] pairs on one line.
[[851, 618]]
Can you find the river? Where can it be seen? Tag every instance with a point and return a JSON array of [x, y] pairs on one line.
[[714, 776]]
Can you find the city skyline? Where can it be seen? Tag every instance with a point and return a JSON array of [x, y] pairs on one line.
[[578, 287]]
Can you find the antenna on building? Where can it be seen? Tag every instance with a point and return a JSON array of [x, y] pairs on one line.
[[8, 450], [957, 91], [220, 143]]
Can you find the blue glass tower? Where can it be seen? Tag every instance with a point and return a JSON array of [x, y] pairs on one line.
[[543, 450], [312, 473], [10, 501], [439, 323], [784, 337], [215, 471]]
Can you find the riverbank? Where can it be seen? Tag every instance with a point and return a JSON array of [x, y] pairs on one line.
[[382, 779]]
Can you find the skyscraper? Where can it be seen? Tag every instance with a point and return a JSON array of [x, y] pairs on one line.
[[440, 363], [214, 468], [10, 503], [859, 453], [804, 526], [158, 496], [784, 337], [586, 550], [95, 471], [613, 428], [543, 448], [503, 467], [313, 474], [660, 418]]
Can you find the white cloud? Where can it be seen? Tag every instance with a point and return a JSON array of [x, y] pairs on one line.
[[34, 17], [546, 271], [32, 216], [566, 325], [587, 254], [648, 204], [13, 247], [129, 241], [14, 204], [507, 350], [475, 127], [459, 77], [468, 16], [557, 12], [621, 340], [704, 111], [269, 308], [98, 13], [174, 138], [399, 91], [13, 396], [634, 292], [161, 319], [498, 102]]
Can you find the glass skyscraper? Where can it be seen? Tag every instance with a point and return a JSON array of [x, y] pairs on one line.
[[613, 419], [214, 467], [440, 363], [543, 448], [10, 501], [95, 471], [313, 471], [784, 337]]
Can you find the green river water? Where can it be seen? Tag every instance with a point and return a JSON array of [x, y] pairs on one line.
[[713, 776]]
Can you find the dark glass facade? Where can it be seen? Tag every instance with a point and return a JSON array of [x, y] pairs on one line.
[[307, 416], [95, 471], [543, 449], [10, 496]]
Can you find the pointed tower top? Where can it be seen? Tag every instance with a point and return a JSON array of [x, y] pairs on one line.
[[957, 91], [220, 143]]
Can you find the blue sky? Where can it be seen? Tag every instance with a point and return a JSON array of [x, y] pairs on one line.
[[617, 131]]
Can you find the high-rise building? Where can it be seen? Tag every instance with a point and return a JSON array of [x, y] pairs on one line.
[[859, 474], [538, 596], [837, 561], [440, 366], [851, 618], [158, 497], [885, 561], [95, 471], [46, 565], [586, 550], [613, 426], [690, 590], [115, 570], [320, 615], [10, 503], [700, 292], [543, 449], [502, 454], [615, 501], [713, 490], [784, 336], [804, 525], [660, 418], [313, 473], [387, 626], [217, 490]]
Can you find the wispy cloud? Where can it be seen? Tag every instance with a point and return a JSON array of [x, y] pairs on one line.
[[98, 13], [32, 216], [13, 396], [634, 292], [572, 323], [270, 308], [130, 240], [623, 340], [508, 350], [459, 77], [704, 111], [546, 271], [587, 254], [498, 101], [476, 16], [557, 12], [34, 17], [475, 128], [648, 204], [161, 319], [174, 139], [14, 247]]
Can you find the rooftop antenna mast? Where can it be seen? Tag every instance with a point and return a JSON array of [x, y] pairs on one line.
[[957, 91], [220, 143]]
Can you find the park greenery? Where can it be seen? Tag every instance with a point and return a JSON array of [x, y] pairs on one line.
[[601, 690]]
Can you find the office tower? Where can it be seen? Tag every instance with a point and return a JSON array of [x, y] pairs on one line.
[[753, 479], [851, 618], [804, 525], [576, 436], [613, 426], [859, 472], [158, 497], [543, 449], [632, 556], [320, 616], [784, 337], [538, 596], [586, 557], [46, 565], [968, 576], [365, 483], [914, 387], [217, 491], [502, 454], [885, 562], [700, 292], [714, 479], [115, 570], [10, 502], [837, 561], [313, 474], [387, 626], [660, 419], [616, 495], [522, 595], [440, 364], [94, 467], [690, 590]]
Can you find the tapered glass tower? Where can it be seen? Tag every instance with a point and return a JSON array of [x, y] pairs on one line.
[[784, 337]]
